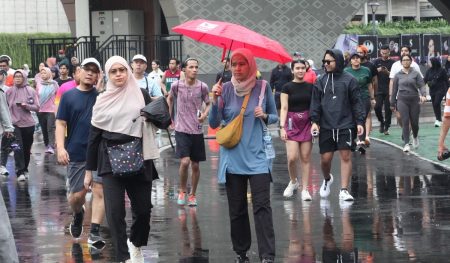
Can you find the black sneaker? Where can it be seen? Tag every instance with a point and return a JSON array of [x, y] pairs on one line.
[[267, 260], [96, 240], [77, 252], [382, 128], [242, 259], [76, 226]]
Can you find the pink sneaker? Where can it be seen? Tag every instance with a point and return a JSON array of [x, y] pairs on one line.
[[192, 200]]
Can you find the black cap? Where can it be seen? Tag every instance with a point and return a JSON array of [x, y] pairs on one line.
[[354, 54]]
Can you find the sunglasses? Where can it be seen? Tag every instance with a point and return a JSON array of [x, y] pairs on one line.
[[120, 70], [328, 62]]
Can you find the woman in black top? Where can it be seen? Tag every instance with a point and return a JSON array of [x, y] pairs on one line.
[[295, 127], [115, 122], [437, 81]]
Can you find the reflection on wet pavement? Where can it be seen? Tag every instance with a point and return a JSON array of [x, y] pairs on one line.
[[401, 213]]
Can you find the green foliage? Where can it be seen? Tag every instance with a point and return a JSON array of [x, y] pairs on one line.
[[439, 26], [16, 46]]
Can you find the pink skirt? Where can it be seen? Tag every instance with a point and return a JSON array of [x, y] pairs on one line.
[[298, 126]]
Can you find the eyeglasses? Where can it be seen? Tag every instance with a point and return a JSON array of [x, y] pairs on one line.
[[406, 60], [328, 62], [120, 70]]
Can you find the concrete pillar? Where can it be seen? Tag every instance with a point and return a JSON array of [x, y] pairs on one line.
[[82, 18], [418, 10], [389, 11], [365, 14]]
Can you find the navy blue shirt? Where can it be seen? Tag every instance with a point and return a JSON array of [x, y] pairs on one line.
[[75, 108]]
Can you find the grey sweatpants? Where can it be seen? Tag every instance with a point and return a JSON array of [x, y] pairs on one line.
[[409, 109]]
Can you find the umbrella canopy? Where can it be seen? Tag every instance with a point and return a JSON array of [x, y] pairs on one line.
[[230, 36]]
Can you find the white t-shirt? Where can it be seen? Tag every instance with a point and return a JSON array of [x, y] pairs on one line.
[[157, 76], [397, 67]]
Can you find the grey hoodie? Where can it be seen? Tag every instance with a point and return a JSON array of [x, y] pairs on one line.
[[5, 116], [336, 100]]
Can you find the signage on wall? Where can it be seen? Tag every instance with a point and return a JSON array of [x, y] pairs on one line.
[[371, 43]]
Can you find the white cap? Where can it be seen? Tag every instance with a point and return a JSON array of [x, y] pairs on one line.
[[91, 61], [141, 57]]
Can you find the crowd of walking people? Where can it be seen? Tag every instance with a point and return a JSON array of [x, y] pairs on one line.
[[91, 119]]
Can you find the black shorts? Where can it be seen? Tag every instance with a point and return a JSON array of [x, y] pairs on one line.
[[333, 140], [367, 107], [190, 145]]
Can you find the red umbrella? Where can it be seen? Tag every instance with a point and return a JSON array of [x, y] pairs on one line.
[[230, 36]]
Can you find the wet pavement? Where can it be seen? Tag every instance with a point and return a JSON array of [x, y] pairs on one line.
[[401, 213]]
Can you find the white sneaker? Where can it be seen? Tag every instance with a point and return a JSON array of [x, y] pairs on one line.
[[158, 131], [344, 195], [21, 178], [407, 148], [27, 174], [416, 142], [345, 205], [325, 208], [289, 191], [306, 196], [437, 123], [3, 170], [325, 187], [135, 253]]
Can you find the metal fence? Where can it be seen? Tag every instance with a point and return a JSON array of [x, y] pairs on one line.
[[161, 47], [43, 48], [153, 47]]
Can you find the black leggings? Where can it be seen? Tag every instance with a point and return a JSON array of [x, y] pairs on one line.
[[22, 155], [139, 192], [436, 100]]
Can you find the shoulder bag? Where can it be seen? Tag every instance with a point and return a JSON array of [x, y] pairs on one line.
[[230, 135], [126, 159]]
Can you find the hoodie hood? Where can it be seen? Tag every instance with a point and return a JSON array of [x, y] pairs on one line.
[[339, 57]]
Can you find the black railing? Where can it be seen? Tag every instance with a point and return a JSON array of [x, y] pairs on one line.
[[43, 48], [153, 47]]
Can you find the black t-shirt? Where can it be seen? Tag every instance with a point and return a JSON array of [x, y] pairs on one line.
[[299, 95], [383, 77], [372, 68], [226, 76]]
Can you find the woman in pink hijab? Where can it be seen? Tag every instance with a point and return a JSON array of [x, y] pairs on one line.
[[46, 90], [247, 162], [22, 100], [115, 122]]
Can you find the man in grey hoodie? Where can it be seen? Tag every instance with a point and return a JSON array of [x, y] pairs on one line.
[[5, 118], [337, 115], [8, 252]]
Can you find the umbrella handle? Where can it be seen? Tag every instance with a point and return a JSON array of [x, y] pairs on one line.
[[228, 55]]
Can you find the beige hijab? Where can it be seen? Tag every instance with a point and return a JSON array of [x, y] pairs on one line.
[[117, 107]]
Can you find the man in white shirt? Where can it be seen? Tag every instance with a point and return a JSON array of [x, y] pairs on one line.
[[396, 68], [139, 66]]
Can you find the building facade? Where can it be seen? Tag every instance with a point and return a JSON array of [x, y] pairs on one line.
[[33, 16]]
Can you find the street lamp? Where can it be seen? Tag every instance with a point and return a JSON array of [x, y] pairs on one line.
[[374, 6]]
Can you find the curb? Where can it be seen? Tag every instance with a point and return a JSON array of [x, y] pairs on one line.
[[440, 164]]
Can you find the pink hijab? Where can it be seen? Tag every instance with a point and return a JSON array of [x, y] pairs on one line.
[[116, 108], [242, 88]]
